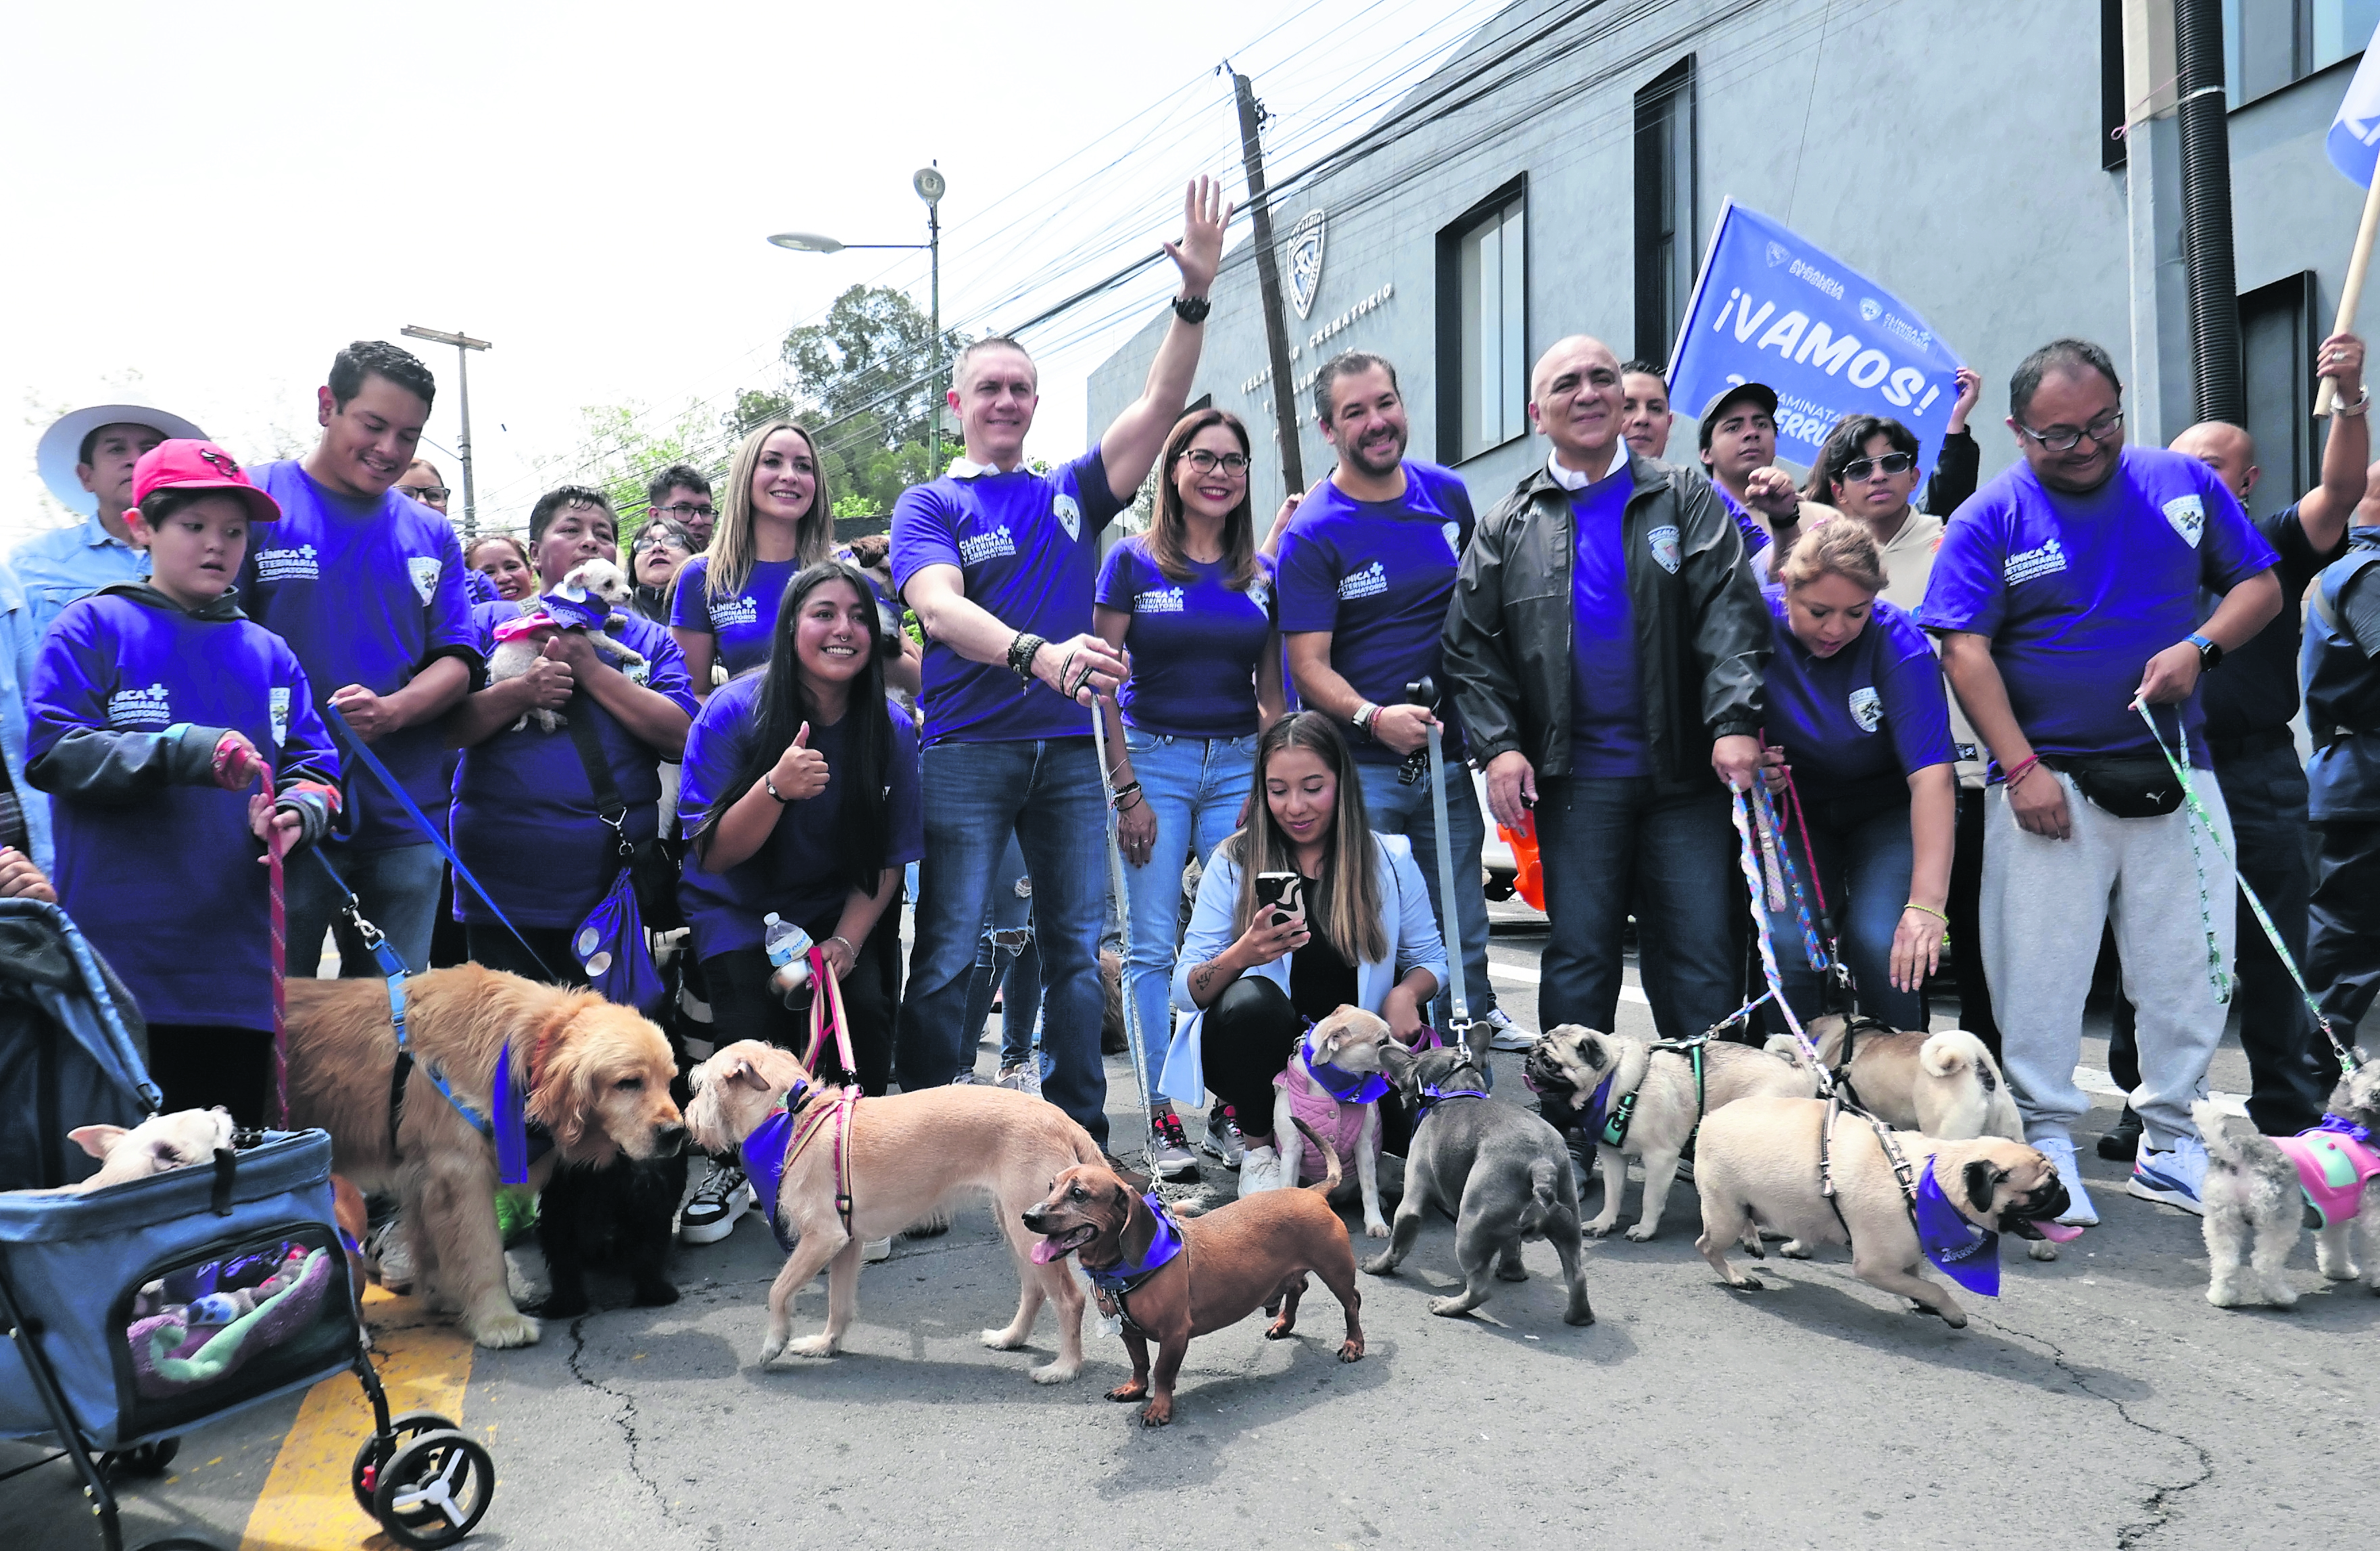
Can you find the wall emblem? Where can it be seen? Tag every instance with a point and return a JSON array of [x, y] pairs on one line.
[[1306, 261]]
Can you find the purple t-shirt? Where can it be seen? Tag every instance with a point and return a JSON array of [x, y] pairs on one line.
[[793, 872], [1195, 644], [1606, 693], [1876, 708], [364, 592], [744, 625], [525, 791], [166, 887], [1755, 537], [2077, 592], [1027, 545], [1378, 575]]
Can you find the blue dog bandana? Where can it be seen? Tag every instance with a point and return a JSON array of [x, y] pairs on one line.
[[1967, 1255], [1347, 1087], [1163, 1245], [764, 1161]]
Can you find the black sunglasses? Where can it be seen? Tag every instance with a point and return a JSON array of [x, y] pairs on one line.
[[1892, 463]]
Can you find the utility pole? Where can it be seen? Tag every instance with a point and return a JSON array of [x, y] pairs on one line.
[[2214, 344], [1284, 388], [464, 345]]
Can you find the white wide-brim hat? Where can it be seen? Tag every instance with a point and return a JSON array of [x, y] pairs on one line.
[[61, 445]]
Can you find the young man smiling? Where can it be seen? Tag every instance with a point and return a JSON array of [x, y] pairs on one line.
[[1606, 644], [1366, 568], [999, 561], [366, 585]]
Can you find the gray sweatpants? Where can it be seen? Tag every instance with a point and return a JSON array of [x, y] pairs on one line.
[[2044, 903]]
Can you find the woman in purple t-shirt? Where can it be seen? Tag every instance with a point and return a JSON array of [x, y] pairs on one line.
[[1192, 601], [778, 519]]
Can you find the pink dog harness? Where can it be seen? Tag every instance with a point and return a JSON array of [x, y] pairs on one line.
[[2332, 1167], [557, 609]]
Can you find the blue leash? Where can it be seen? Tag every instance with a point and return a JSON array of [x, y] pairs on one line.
[[350, 743]]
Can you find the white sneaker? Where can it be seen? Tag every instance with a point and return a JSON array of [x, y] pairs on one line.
[[710, 1215], [966, 1078], [874, 1249], [388, 1258], [1259, 1171], [1024, 1079], [1507, 1035], [2174, 1176], [2058, 1148]]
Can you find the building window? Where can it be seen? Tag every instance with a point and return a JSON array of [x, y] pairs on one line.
[[2269, 44], [2277, 339], [1666, 229], [1483, 325]]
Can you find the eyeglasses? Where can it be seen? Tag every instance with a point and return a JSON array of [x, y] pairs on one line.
[[1232, 463], [682, 511], [426, 491], [1892, 463], [2061, 438], [663, 541]]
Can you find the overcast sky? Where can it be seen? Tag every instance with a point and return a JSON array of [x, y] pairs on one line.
[[210, 200]]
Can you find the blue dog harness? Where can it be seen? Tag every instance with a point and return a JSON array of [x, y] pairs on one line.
[[1112, 1283], [1433, 1094]]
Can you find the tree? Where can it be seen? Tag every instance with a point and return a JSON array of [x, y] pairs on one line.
[[873, 354]]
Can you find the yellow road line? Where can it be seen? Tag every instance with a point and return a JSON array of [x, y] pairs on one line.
[[306, 1504]]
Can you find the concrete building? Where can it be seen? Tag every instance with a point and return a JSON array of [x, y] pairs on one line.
[[1560, 174]]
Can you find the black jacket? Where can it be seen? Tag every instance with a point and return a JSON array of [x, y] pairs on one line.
[[1703, 630]]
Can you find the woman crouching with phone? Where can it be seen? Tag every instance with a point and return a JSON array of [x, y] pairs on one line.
[[1353, 927]]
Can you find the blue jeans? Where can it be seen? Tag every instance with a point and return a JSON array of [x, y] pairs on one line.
[[1046, 793], [1863, 867], [1195, 788], [1401, 810], [1006, 952], [398, 889], [1610, 845]]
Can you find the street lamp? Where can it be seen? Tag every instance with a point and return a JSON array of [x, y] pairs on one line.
[[931, 186], [464, 345]]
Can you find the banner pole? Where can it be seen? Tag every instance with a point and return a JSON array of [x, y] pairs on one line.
[[2350, 292]]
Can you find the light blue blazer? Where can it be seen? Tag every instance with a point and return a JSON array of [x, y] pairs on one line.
[[1413, 941]]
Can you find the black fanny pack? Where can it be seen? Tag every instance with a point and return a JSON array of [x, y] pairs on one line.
[[2128, 786]]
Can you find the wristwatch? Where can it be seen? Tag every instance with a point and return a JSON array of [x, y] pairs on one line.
[[1365, 715], [769, 784], [2210, 657], [1192, 308]]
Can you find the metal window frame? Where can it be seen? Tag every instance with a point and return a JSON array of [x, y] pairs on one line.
[[1669, 100], [1451, 407]]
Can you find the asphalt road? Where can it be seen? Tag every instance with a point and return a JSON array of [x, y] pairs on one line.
[[2099, 1402]]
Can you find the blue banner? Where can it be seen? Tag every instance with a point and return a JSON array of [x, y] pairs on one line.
[[1771, 307], [2354, 139]]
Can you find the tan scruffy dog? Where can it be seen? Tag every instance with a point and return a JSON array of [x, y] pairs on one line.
[[597, 1075], [2261, 1193], [912, 1157]]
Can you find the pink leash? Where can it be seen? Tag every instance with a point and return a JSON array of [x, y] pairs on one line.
[[278, 910]]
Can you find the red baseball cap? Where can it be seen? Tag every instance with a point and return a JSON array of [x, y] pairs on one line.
[[192, 466]]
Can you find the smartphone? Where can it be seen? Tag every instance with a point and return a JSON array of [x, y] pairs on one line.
[[1283, 893]]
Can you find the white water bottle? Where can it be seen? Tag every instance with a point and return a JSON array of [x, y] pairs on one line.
[[788, 947]]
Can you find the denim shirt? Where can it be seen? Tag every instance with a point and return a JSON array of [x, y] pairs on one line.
[[57, 567], [20, 640]]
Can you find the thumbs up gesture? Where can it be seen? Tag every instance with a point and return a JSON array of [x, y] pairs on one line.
[[800, 772]]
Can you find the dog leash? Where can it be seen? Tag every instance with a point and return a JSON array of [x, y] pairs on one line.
[[2349, 1060], [277, 920], [1749, 856], [1424, 693]]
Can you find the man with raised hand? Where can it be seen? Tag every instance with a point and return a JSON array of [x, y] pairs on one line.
[[366, 585], [2066, 590], [86, 459], [1606, 644], [1000, 562], [2248, 707], [1366, 566]]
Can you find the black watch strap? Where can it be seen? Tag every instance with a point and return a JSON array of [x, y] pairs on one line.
[[1192, 308]]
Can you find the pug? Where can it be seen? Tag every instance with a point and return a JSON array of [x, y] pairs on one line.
[[1596, 1074], [1945, 1084], [1757, 1167]]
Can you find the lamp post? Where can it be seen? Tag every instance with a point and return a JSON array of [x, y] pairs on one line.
[[464, 345], [931, 186]]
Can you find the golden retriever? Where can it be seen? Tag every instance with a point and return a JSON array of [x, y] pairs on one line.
[[597, 1075]]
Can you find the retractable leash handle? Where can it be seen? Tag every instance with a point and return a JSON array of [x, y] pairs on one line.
[[1424, 693]]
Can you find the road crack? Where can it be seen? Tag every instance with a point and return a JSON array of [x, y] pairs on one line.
[[2160, 1504], [625, 1418]]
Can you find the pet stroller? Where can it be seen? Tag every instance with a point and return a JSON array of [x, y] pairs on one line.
[[144, 1309]]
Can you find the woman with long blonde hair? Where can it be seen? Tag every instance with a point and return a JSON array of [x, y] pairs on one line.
[[778, 519], [1353, 927]]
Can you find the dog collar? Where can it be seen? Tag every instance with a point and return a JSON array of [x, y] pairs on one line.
[[1591, 1117], [1347, 1087], [1967, 1255], [764, 1159], [1432, 1095], [1164, 1246]]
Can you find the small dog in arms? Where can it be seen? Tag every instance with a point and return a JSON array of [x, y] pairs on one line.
[[588, 597]]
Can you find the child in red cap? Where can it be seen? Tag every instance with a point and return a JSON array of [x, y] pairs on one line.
[[154, 707]]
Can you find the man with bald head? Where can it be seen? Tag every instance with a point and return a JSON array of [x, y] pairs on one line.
[[2248, 707], [1606, 644]]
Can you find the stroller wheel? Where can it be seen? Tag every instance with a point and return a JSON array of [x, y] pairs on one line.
[[434, 1490], [148, 1459], [370, 1456], [181, 1543]]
